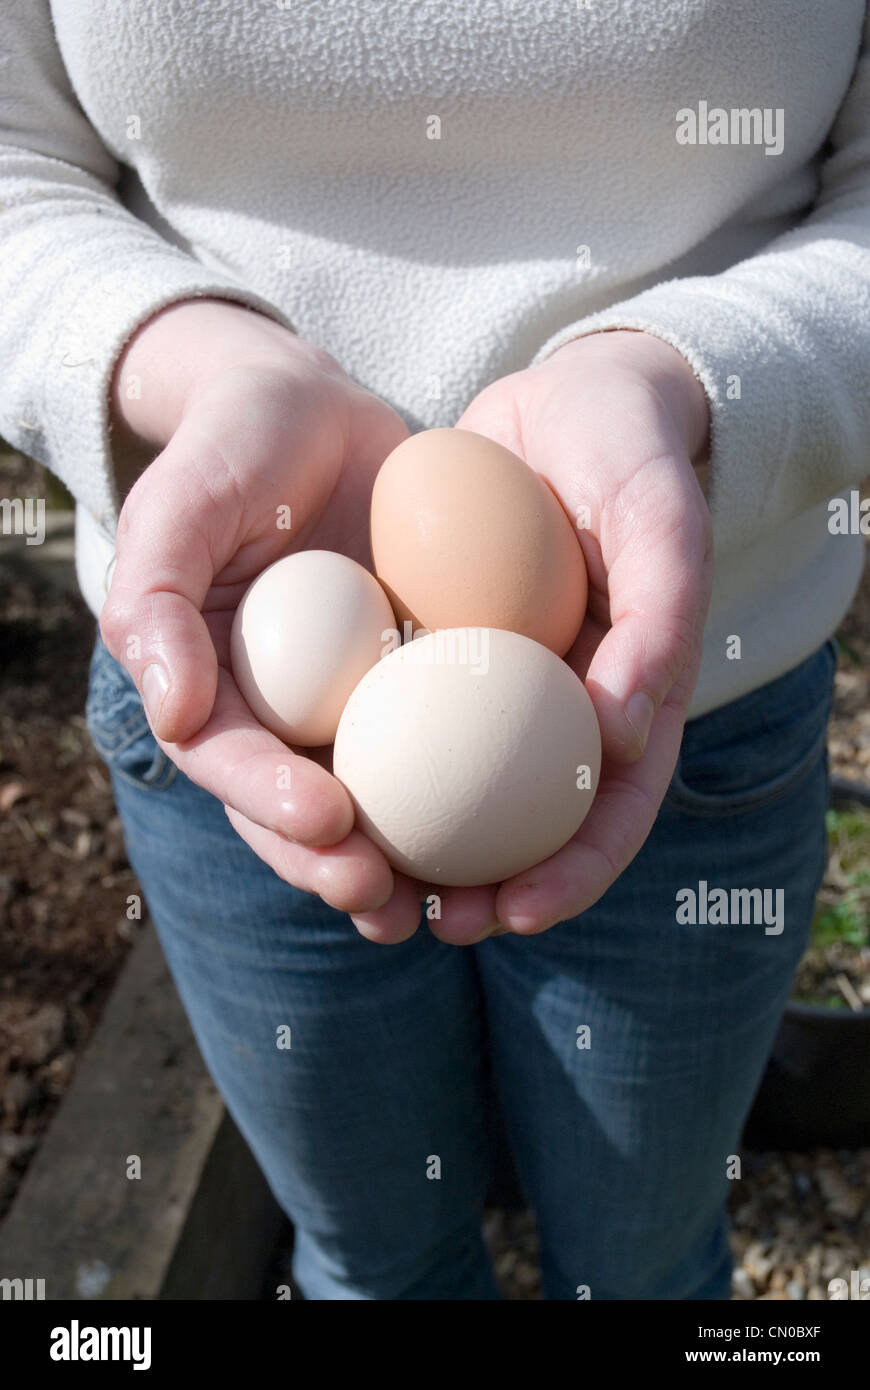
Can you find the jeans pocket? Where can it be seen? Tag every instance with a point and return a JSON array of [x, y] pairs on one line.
[[119, 728], [756, 749]]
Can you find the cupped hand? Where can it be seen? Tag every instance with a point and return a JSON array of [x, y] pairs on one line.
[[259, 429], [617, 424]]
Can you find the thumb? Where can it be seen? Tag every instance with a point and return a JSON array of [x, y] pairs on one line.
[[151, 622], [658, 555]]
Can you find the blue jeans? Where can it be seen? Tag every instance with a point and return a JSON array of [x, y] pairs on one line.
[[372, 1127]]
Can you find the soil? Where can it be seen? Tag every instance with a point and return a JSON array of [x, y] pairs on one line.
[[849, 729], [64, 877], [64, 933]]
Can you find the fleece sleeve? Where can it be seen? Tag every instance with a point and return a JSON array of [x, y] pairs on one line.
[[793, 323], [78, 272]]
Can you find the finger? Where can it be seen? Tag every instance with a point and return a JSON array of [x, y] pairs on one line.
[[351, 877], [152, 620], [622, 815], [173, 536], [245, 766], [467, 915], [397, 920], [656, 542]]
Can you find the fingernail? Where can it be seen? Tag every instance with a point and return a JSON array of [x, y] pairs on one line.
[[155, 684], [519, 923], [639, 712]]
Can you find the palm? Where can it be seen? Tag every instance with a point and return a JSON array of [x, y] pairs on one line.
[[320, 480], [251, 441], [612, 450]]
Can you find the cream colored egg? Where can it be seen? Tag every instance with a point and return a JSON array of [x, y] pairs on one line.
[[306, 631], [470, 753]]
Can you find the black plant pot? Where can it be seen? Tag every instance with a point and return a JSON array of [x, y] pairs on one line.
[[816, 1089]]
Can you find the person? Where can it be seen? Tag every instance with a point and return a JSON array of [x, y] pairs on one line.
[[244, 251]]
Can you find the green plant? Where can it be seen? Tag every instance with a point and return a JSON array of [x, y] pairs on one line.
[[843, 907], [836, 965], [846, 649]]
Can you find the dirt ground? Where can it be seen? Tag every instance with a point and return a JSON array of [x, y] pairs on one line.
[[849, 729], [64, 933], [64, 877]]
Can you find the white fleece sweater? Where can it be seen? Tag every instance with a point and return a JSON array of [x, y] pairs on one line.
[[442, 191]]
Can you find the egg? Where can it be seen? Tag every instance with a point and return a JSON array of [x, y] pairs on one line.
[[465, 534], [305, 632], [470, 754]]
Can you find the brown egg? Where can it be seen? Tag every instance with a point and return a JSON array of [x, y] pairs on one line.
[[465, 534]]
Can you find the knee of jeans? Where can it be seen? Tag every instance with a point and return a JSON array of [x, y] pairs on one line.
[[682, 1261], [452, 1266]]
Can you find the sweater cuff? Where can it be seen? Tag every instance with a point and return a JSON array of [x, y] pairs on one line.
[[734, 359], [100, 321]]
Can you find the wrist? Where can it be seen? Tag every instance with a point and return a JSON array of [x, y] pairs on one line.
[[662, 367], [181, 346]]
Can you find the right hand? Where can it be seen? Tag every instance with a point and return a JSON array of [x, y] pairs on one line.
[[247, 418]]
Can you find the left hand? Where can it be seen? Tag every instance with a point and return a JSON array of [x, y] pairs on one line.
[[617, 424]]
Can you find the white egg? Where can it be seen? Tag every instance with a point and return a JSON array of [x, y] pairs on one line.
[[470, 753], [306, 631]]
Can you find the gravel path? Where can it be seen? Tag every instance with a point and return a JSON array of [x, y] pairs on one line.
[[799, 1220]]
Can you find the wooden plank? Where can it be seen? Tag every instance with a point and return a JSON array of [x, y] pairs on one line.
[[198, 1223]]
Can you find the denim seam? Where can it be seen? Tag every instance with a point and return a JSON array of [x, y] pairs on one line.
[[114, 740], [164, 778], [110, 742]]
